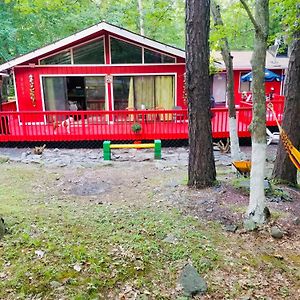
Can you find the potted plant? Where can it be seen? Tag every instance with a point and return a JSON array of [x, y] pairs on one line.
[[136, 127]]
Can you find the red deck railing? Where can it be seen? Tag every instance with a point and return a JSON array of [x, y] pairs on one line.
[[114, 125]]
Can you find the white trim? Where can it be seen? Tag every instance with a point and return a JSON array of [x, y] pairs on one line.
[[240, 81], [72, 56], [103, 65], [16, 95], [104, 50], [145, 74], [282, 82], [87, 32]]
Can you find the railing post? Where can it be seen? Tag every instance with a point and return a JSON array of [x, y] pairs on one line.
[[106, 150], [157, 149], [83, 123]]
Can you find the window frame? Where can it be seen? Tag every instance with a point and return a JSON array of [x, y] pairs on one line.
[[72, 56], [145, 74], [242, 73], [143, 53]]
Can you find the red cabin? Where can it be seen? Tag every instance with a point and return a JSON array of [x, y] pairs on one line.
[[97, 83]]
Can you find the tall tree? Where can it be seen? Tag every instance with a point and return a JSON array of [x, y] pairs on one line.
[[257, 207], [225, 51], [284, 169], [201, 170], [141, 17]]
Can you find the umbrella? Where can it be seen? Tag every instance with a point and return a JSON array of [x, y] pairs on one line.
[[269, 76]]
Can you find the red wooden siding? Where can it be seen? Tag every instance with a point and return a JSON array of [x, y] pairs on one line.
[[23, 87]]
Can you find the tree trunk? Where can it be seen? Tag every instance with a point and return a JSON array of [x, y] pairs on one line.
[[225, 50], [256, 208], [284, 168], [141, 17], [201, 170]]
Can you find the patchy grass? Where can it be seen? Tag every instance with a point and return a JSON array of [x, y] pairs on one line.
[[111, 246], [62, 246]]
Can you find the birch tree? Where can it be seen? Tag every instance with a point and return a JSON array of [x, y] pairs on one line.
[[257, 207], [141, 17], [225, 51], [201, 169]]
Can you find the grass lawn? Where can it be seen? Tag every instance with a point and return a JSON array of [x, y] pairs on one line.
[[65, 246]]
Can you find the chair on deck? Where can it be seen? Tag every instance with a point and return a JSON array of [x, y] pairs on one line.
[[130, 117], [178, 117]]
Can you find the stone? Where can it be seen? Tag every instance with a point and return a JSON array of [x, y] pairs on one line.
[[170, 238], [296, 221], [172, 184], [55, 284], [24, 155], [191, 282], [249, 225], [276, 232], [231, 228], [3, 159], [209, 210]]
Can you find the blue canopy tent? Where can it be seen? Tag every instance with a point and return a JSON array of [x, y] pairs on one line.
[[269, 76]]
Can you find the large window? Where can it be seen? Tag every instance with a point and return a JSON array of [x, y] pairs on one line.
[[125, 53], [91, 53], [152, 57], [149, 92], [95, 92], [62, 58], [55, 93]]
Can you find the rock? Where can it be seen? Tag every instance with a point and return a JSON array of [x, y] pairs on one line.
[[25, 154], [250, 225], [170, 238], [172, 184], [209, 210], [296, 221], [245, 298], [55, 284], [3, 159], [2, 228], [192, 284], [245, 183], [276, 232], [231, 228]]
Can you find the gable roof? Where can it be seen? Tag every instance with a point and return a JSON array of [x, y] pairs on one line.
[[242, 60], [88, 32]]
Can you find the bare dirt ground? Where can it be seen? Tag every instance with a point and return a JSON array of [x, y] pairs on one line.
[[254, 265]]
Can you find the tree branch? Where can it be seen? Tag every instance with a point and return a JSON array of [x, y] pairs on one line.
[[247, 9]]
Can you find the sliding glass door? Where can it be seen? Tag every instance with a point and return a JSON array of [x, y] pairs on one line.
[[74, 93], [144, 92], [55, 93]]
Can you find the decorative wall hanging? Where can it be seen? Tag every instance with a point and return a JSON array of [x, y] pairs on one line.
[[32, 93], [185, 101]]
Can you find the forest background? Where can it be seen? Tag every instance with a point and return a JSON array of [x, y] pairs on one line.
[[29, 24]]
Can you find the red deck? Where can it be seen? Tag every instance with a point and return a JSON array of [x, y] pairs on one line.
[[116, 125]]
